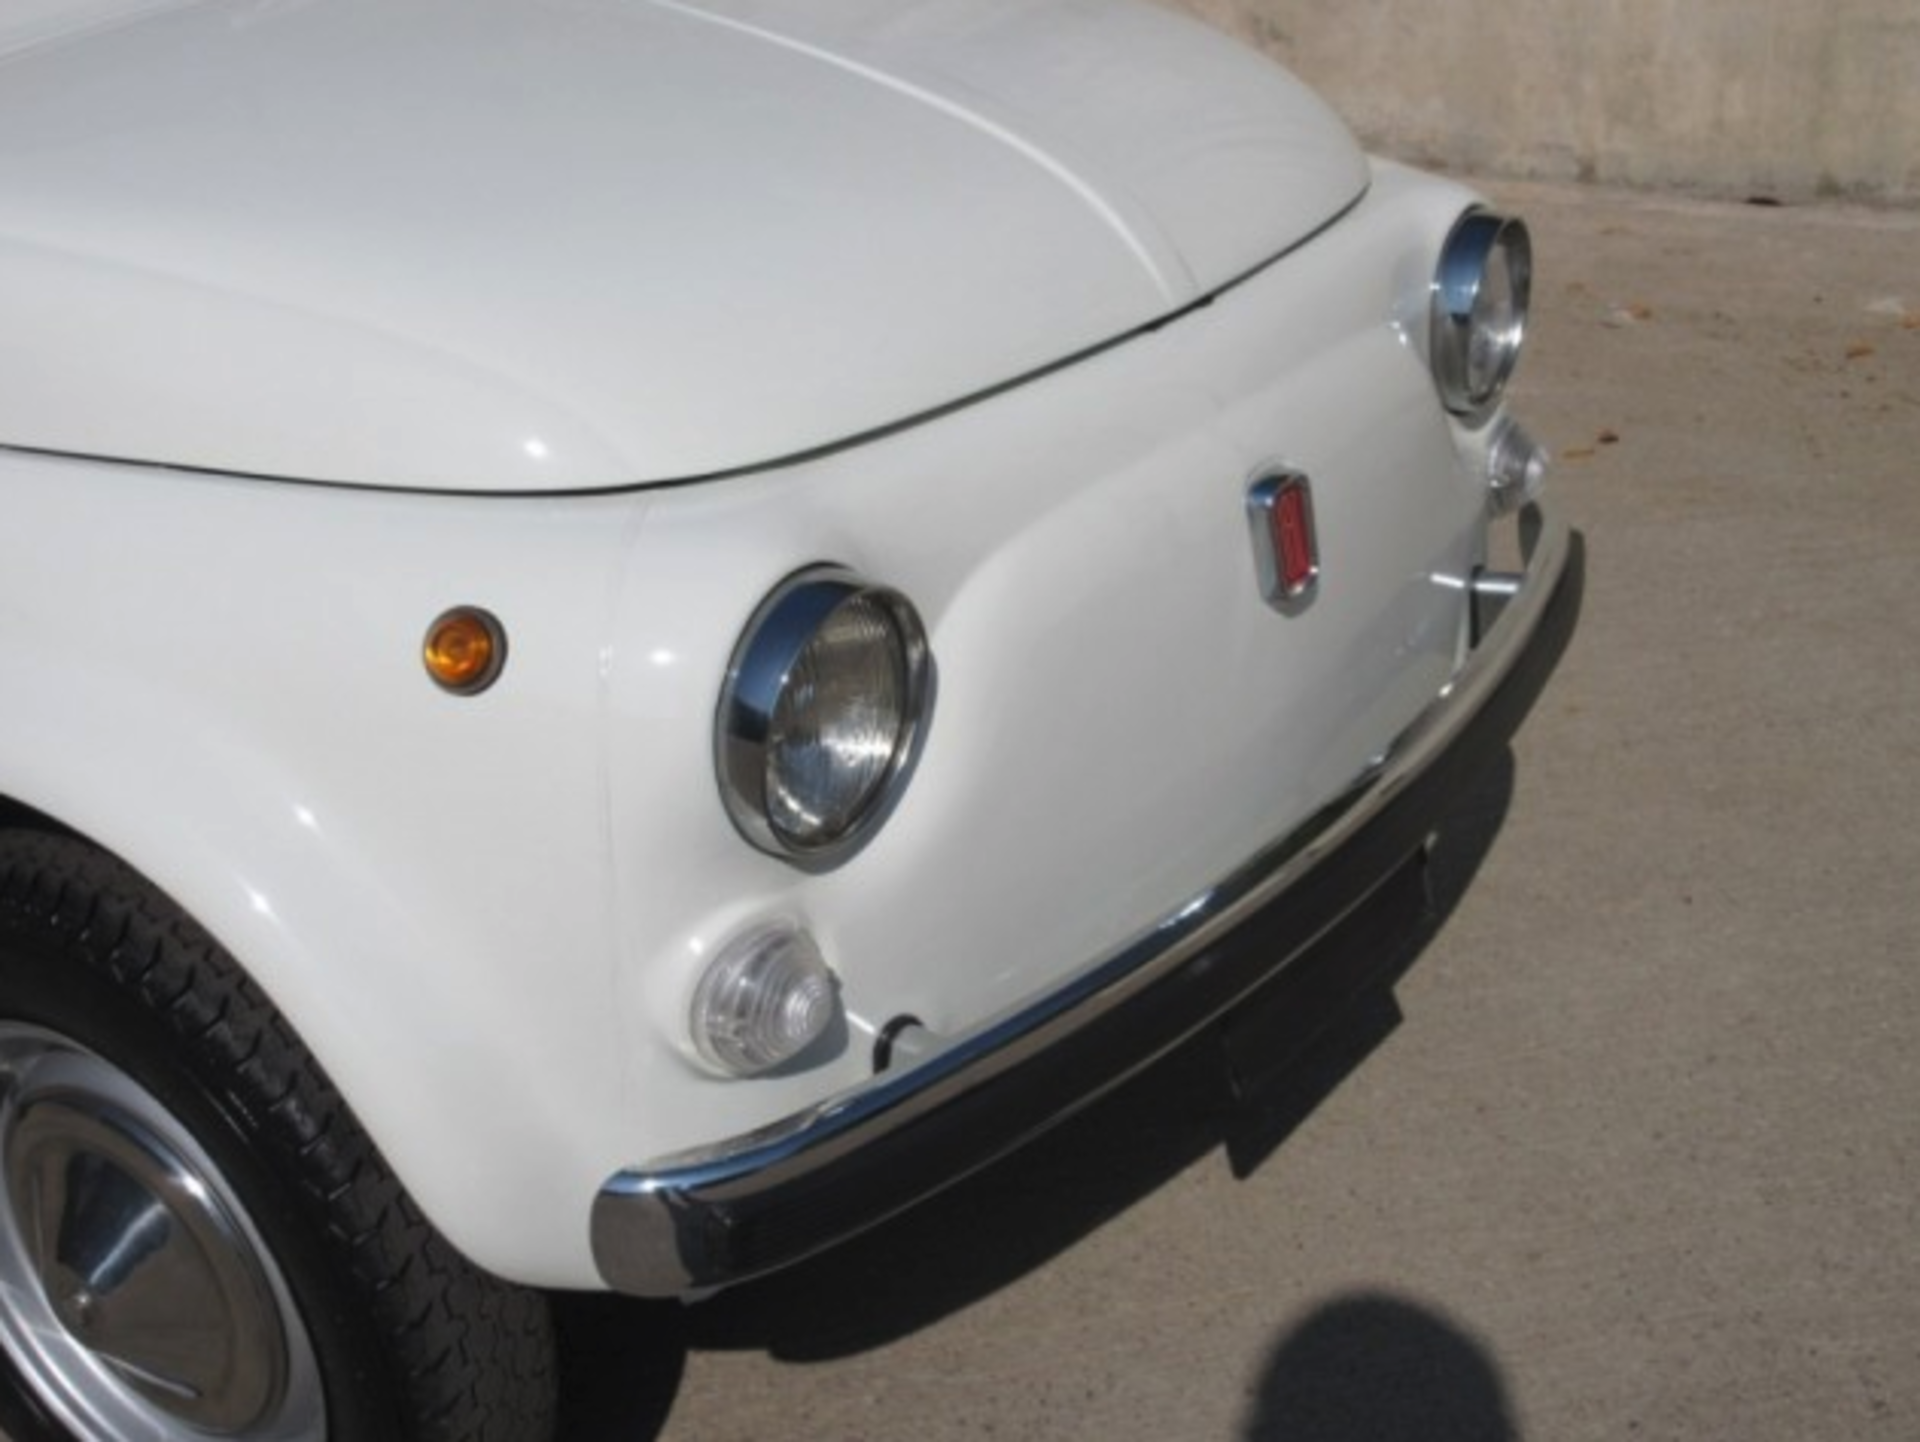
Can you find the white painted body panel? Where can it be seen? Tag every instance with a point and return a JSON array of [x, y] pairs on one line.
[[546, 245], [485, 916]]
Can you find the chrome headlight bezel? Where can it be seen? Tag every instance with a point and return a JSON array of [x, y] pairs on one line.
[[748, 734], [1477, 319]]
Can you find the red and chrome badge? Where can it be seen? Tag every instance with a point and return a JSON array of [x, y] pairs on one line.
[[1286, 553]]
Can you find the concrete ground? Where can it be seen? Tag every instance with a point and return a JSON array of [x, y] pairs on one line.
[[1641, 1156]]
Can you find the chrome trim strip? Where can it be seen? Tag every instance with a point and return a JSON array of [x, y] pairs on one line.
[[638, 1215]]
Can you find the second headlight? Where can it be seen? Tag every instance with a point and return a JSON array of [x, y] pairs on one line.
[[1479, 312], [823, 707]]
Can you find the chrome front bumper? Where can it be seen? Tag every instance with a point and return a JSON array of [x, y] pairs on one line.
[[753, 1203]]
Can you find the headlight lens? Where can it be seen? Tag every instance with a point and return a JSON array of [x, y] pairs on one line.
[[823, 708], [1479, 312]]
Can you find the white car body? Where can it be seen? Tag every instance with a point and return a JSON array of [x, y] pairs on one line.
[[317, 319]]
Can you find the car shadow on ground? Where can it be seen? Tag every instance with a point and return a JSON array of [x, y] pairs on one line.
[[1287, 1051]]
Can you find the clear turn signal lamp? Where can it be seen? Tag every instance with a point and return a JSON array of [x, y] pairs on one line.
[[1516, 468], [766, 998]]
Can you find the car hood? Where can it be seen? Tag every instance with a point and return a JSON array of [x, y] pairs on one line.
[[542, 245]]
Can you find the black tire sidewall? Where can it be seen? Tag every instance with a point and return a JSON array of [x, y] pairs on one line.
[[44, 983]]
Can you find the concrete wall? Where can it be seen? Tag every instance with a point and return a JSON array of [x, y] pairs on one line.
[[1789, 98]]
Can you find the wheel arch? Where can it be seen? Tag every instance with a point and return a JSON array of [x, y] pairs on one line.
[[144, 1075], [430, 1061]]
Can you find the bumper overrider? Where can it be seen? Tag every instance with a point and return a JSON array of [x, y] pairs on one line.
[[753, 1203]]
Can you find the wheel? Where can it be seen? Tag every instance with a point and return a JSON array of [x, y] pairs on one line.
[[196, 1238]]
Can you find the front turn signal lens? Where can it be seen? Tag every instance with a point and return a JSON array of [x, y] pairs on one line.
[[765, 1001], [465, 650]]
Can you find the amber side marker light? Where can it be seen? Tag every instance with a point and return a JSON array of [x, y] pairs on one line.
[[465, 650]]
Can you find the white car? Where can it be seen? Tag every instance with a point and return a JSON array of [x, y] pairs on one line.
[[634, 632]]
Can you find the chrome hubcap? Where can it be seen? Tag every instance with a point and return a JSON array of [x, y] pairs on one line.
[[136, 1297]]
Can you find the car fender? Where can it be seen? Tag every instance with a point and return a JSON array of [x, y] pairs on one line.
[[287, 774]]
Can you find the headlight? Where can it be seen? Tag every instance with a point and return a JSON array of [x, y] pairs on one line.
[[1479, 315], [823, 707]]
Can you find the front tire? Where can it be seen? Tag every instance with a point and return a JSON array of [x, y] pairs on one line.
[[195, 1235]]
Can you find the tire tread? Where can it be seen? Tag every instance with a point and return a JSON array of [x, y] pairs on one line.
[[473, 1356]]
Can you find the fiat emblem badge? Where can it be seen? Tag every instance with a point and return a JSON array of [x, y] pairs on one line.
[[1286, 552]]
